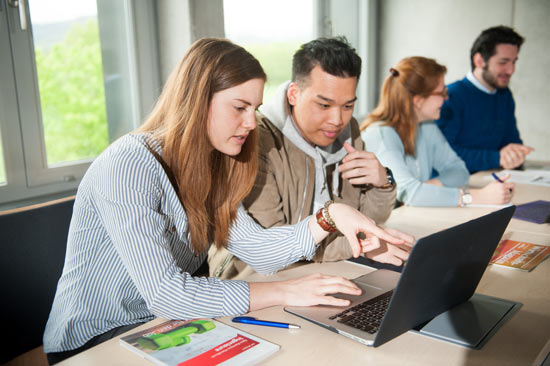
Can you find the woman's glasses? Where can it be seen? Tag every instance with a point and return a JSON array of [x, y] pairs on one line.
[[444, 93]]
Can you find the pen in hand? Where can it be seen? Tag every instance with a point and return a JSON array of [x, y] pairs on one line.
[[251, 320], [500, 180], [497, 178]]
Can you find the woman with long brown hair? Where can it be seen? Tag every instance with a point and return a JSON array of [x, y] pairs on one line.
[[401, 132], [150, 205]]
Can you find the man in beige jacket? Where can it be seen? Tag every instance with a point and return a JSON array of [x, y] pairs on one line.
[[311, 151]]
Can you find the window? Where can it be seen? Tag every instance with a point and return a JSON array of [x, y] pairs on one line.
[[70, 80], [271, 32], [69, 87]]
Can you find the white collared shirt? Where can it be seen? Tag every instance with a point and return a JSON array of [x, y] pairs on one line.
[[470, 76]]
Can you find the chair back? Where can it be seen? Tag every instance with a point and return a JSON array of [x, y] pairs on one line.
[[33, 244]]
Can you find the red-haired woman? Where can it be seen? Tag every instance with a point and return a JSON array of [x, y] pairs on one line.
[[402, 134]]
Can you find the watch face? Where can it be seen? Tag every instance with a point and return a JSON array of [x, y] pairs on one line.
[[467, 199], [389, 175]]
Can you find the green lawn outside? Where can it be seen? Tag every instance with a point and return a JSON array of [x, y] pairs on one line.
[[72, 96]]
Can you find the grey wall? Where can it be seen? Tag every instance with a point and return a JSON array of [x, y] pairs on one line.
[[446, 29]]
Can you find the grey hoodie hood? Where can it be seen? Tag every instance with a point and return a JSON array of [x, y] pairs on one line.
[[277, 110]]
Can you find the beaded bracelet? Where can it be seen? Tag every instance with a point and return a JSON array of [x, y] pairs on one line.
[[324, 220]]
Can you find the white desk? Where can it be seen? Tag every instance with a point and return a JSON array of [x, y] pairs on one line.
[[518, 342], [421, 221]]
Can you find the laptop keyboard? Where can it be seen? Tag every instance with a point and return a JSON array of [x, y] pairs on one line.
[[367, 315]]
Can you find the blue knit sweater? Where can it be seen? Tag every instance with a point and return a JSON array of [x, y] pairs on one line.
[[477, 125]]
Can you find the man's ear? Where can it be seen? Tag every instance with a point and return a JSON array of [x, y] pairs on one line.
[[479, 62], [292, 93]]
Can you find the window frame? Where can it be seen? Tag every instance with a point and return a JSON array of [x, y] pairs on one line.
[[135, 62], [358, 21]]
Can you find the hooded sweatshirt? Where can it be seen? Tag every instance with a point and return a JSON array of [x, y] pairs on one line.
[[279, 114]]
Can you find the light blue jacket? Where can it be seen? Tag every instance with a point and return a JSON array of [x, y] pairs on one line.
[[410, 172]]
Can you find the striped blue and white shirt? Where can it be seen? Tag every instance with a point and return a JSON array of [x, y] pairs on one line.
[[129, 257]]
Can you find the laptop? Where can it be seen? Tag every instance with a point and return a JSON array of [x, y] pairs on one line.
[[443, 270]]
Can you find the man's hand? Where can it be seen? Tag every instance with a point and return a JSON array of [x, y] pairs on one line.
[[362, 167], [386, 251], [513, 155], [363, 235]]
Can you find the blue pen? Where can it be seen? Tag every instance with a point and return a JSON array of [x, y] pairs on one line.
[[251, 320], [496, 177]]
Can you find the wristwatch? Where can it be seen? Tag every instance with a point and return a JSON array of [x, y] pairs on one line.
[[465, 198], [389, 176]]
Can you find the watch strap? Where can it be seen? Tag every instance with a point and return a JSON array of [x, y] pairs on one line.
[[324, 220], [389, 177]]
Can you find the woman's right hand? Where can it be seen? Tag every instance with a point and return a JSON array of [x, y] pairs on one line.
[[310, 290], [494, 193]]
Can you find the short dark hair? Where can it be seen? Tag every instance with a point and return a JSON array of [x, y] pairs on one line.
[[487, 42], [334, 55]]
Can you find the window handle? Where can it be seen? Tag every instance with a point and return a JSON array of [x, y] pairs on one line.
[[22, 5]]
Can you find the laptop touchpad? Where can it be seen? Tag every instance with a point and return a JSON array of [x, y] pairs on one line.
[[381, 279], [368, 292]]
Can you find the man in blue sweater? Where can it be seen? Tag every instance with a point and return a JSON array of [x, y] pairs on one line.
[[479, 119]]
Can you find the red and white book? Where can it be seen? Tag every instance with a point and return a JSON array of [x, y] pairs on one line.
[[198, 342], [519, 255]]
